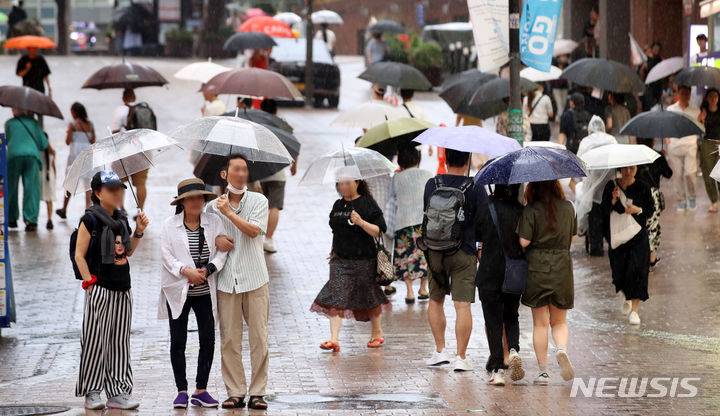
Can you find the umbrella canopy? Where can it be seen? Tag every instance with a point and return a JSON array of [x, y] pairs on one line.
[[289, 18], [603, 73], [28, 99], [125, 75], [326, 17], [700, 76], [3, 17], [393, 129], [262, 117], [396, 75], [543, 143], [386, 26], [125, 153], [248, 40], [268, 26], [535, 75], [255, 12], [498, 89], [459, 89], [253, 82], [612, 156], [473, 139], [368, 115], [665, 68], [224, 136], [662, 124], [29, 41], [531, 164], [564, 47], [134, 16], [355, 163], [200, 71]]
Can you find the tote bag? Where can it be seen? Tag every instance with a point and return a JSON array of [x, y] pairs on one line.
[[623, 227]]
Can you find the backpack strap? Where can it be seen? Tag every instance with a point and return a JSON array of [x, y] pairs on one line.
[[493, 215], [438, 182], [467, 184]]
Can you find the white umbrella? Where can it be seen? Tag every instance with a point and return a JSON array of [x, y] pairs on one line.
[[368, 115], [326, 16], [614, 156], [536, 75], [289, 18], [354, 163], [665, 68], [564, 47], [200, 71], [543, 143]]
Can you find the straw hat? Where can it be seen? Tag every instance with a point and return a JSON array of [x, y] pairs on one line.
[[192, 187]]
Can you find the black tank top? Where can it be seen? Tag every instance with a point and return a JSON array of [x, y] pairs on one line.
[[712, 125]]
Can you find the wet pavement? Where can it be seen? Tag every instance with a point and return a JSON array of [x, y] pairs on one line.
[[679, 336]]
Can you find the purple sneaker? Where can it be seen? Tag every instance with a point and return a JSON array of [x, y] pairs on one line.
[[181, 401], [203, 399]]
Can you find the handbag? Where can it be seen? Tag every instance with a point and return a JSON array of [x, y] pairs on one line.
[[391, 211], [623, 227], [385, 270], [516, 270]]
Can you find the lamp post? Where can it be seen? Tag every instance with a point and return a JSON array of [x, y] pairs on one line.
[[309, 73], [515, 111]]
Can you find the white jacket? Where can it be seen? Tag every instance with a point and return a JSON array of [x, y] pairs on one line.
[[176, 254]]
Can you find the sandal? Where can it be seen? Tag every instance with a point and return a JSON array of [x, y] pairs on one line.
[[423, 296], [375, 342], [390, 292], [409, 301], [330, 346], [258, 403], [237, 403]]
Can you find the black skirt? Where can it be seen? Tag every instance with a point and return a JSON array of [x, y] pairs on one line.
[[351, 291], [630, 264]]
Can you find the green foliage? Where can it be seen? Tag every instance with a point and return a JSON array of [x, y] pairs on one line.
[[396, 49], [221, 34], [179, 34], [426, 55]]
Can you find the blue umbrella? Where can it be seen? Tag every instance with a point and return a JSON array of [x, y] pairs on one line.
[[472, 139], [531, 164]]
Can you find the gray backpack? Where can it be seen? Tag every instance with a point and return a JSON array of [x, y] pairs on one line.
[[442, 228]]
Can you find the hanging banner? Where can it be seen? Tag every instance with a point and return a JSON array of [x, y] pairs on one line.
[[489, 19], [538, 27], [7, 300]]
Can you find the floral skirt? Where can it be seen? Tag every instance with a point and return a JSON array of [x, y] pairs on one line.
[[653, 223], [351, 291], [409, 260]]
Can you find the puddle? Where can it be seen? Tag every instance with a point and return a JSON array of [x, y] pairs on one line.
[[358, 402]]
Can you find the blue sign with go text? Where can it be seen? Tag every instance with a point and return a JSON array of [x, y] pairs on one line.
[[538, 26]]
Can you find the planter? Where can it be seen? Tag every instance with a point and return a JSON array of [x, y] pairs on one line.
[[433, 74], [178, 48]]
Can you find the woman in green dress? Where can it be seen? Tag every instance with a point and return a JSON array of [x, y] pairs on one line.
[[546, 230]]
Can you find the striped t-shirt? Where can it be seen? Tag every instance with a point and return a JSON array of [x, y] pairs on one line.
[[199, 258]]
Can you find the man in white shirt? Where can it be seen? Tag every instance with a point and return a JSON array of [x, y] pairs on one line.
[[243, 286], [120, 123], [413, 109], [327, 36], [212, 106], [682, 155]]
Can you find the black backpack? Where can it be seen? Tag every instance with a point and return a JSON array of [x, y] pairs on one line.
[[442, 228], [141, 116], [581, 119], [88, 257]]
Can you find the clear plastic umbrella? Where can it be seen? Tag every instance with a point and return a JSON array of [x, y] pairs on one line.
[[368, 115], [126, 153], [355, 163], [200, 71], [224, 136]]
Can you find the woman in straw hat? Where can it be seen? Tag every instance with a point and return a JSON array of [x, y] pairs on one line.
[[190, 263]]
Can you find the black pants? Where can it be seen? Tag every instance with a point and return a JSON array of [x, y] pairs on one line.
[[202, 306], [596, 228], [540, 132], [499, 311]]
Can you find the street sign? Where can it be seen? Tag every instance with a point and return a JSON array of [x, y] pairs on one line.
[[7, 299]]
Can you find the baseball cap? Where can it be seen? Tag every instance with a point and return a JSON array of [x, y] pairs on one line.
[[106, 178]]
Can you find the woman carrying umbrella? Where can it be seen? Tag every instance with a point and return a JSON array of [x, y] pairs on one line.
[[630, 259], [546, 229], [710, 117], [80, 135]]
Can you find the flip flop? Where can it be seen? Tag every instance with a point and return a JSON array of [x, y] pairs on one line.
[[375, 342], [237, 403]]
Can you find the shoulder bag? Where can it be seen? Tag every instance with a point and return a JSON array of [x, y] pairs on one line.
[[385, 270], [516, 270], [623, 227]]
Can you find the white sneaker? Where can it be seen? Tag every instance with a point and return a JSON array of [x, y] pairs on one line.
[[634, 318], [462, 365], [566, 369], [626, 307], [497, 378], [515, 364], [93, 401], [438, 358], [123, 402], [269, 246], [542, 379]]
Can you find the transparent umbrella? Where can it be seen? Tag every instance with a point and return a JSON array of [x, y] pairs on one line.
[[126, 153], [368, 115], [355, 163]]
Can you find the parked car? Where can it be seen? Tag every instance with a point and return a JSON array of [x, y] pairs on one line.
[[288, 58]]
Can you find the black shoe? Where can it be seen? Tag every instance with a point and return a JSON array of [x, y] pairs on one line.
[[423, 296], [30, 227], [12, 224], [49, 225], [391, 291], [409, 301], [654, 263], [61, 213], [597, 252]]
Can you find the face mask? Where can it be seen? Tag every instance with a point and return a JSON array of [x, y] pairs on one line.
[[236, 191]]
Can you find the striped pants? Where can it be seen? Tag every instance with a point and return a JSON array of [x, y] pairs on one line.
[[105, 345]]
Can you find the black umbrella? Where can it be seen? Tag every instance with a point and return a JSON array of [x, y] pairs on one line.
[[262, 117], [135, 16], [701, 76], [396, 75], [28, 99], [458, 90], [248, 40], [499, 88], [661, 124], [603, 73], [291, 143], [386, 26]]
